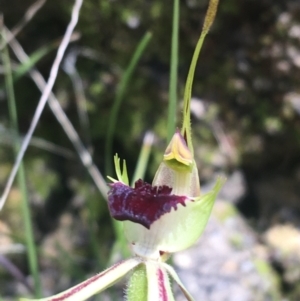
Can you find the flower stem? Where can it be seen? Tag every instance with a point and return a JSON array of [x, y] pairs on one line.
[[186, 125], [173, 72]]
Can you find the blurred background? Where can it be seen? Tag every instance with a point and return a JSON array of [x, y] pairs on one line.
[[246, 125]]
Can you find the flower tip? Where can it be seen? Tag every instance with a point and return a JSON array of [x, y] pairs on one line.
[[177, 155]]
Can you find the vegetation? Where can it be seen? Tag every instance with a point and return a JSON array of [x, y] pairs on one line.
[[245, 116]]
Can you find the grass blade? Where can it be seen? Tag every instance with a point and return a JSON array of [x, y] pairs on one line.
[[121, 243], [173, 73], [143, 159], [30, 13], [44, 97], [34, 58], [63, 120], [26, 214], [119, 98]]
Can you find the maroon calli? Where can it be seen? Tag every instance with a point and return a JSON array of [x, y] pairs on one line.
[[143, 204]]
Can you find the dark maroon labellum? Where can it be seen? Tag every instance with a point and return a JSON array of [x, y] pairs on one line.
[[143, 204]]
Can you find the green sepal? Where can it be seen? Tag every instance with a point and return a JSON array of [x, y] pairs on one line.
[[95, 284], [176, 230], [188, 223]]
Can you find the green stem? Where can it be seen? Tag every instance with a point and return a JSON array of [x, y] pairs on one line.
[[94, 239], [121, 243], [186, 126], [143, 159], [31, 249], [173, 72]]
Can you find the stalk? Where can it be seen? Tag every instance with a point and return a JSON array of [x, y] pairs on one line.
[[186, 125], [119, 98], [173, 72], [26, 214]]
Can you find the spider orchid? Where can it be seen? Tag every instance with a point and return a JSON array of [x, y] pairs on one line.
[[159, 219]]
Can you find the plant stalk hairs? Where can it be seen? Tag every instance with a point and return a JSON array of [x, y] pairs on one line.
[[159, 219]]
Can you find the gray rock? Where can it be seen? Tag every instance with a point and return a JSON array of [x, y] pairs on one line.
[[227, 264]]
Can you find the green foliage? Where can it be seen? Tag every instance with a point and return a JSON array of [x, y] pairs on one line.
[[239, 78], [120, 94], [26, 211]]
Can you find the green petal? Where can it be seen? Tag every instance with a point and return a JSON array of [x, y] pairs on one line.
[[174, 231], [182, 183], [174, 275], [95, 284], [189, 222]]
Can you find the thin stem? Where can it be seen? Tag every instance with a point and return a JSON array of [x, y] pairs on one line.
[[30, 243], [94, 239], [53, 74], [119, 98], [69, 67], [173, 72], [64, 121], [30, 13], [186, 126], [15, 272], [143, 159]]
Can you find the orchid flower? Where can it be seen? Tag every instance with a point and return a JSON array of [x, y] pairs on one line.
[[159, 219]]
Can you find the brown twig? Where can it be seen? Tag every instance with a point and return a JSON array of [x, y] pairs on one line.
[[31, 11], [43, 99]]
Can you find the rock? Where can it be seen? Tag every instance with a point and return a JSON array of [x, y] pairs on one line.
[[228, 263], [278, 198], [235, 188], [284, 242]]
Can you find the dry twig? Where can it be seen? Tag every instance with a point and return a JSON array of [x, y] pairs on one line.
[[30, 13], [43, 99], [66, 124]]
